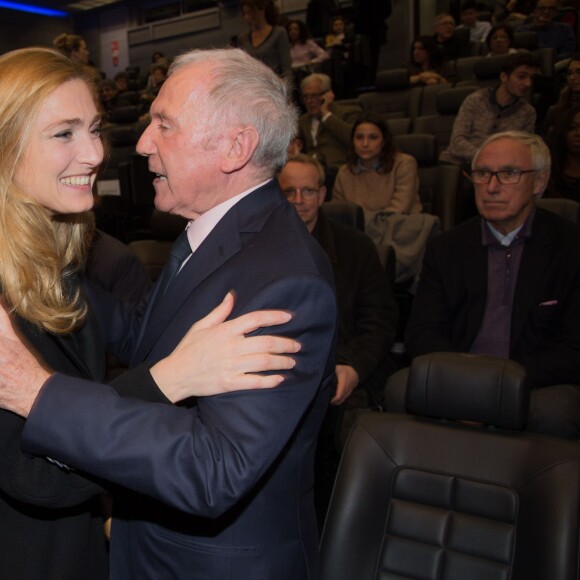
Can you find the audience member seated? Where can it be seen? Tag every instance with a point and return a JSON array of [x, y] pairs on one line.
[[513, 12], [157, 58], [326, 126], [367, 314], [451, 45], [569, 95], [385, 183], [425, 64], [110, 99], [266, 40], [492, 110], [478, 29], [551, 34], [303, 50], [122, 82], [377, 176], [506, 283], [158, 77], [564, 142], [500, 40], [338, 41]]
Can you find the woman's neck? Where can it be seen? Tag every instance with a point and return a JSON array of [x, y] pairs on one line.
[[369, 164], [261, 26]]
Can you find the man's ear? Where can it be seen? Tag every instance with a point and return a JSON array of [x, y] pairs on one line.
[[540, 183], [321, 195], [240, 145], [503, 77]]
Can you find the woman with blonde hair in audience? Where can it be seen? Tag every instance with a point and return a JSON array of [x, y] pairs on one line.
[[377, 176], [51, 517]]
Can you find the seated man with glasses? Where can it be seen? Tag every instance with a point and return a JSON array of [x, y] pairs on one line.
[[326, 126], [367, 312], [551, 34], [507, 283]]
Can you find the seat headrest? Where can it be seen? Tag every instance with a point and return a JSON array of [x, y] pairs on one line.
[[346, 212], [125, 114], [422, 146], [479, 388], [390, 80], [565, 208], [527, 40], [121, 135], [450, 100], [490, 67]]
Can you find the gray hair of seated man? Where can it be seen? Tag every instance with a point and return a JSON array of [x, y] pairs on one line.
[[540, 154], [324, 80]]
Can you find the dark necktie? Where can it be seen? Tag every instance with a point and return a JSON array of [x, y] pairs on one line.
[[179, 252]]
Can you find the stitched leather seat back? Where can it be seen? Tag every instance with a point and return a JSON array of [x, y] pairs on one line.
[[433, 498]]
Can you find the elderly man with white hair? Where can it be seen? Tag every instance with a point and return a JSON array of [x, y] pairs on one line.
[[507, 283]]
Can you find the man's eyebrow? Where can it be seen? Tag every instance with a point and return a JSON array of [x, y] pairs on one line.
[[161, 116]]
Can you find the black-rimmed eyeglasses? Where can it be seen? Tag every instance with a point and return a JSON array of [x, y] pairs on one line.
[[508, 176], [305, 192]]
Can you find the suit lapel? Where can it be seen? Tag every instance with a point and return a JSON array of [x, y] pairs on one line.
[[224, 242]]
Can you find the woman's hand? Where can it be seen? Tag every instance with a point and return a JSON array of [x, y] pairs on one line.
[[215, 357]]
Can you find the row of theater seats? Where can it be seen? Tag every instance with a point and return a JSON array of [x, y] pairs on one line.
[[394, 96], [455, 488]]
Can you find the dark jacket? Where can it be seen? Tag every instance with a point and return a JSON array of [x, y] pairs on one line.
[[50, 522], [545, 327], [367, 312], [231, 478]]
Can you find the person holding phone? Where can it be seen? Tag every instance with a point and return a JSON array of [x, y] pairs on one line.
[[325, 125]]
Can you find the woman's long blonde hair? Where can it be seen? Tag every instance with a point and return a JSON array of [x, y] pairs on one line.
[[39, 253]]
